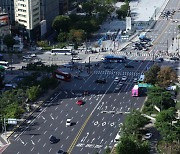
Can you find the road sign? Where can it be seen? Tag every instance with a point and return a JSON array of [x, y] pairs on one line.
[[12, 121]]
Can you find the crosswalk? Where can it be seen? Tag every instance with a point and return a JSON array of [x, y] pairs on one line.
[[135, 54], [106, 72]]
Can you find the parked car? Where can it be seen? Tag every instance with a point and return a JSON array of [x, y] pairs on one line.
[[174, 58], [101, 81], [147, 136]]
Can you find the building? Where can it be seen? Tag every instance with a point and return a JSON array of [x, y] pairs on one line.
[[27, 15], [8, 7], [49, 10]]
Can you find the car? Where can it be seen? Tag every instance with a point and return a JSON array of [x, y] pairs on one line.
[[159, 60], [124, 78], [145, 49], [76, 58], [147, 136], [129, 66], [79, 102], [108, 67], [174, 58], [33, 55], [118, 87], [120, 84], [101, 81], [53, 139], [78, 77], [135, 80], [60, 152], [68, 122], [116, 79]]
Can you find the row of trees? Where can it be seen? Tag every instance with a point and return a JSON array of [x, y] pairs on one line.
[[75, 28], [162, 77], [14, 102], [131, 135], [123, 11]]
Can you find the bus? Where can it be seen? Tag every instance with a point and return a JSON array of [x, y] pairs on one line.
[[141, 78], [5, 64], [118, 59], [135, 91], [60, 75], [61, 51]]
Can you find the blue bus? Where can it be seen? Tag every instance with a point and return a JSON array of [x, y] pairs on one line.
[[111, 59]]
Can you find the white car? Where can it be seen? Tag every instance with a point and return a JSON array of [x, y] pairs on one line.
[[116, 79], [120, 84], [135, 80], [68, 122], [148, 136], [124, 78]]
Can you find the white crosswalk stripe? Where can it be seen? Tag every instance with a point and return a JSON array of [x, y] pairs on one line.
[[113, 73]]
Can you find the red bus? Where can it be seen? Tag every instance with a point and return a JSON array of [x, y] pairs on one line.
[[60, 75]]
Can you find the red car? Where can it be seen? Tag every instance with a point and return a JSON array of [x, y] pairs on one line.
[[79, 102]]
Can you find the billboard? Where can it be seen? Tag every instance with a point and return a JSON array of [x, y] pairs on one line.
[[3, 20]]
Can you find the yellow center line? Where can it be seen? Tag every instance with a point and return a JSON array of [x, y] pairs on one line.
[[78, 135]]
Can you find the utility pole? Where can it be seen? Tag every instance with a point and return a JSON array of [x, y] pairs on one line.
[[89, 64]]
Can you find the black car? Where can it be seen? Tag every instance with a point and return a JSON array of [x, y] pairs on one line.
[[108, 67], [53, 139], [129, 66], [174, 58], [101, 81]]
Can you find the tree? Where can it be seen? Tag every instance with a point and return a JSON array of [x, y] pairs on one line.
[[107, 150], [88, 7], [76, 35], [166, 76], [159, 97], [9, 41], [126, 146], [33, 92], [163, 123], [134, 122], [62, 37], [151, 74], [61, 23]]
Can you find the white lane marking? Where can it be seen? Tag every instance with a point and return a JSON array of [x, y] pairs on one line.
[[92, 140], [50, 150], [101, 141], [50, 125], [25, 144], [56, 108], [32, 136], [45, 132], [56, 128], [39, 140], [42, 117], [80, 144], [51, 117], [84, 138], [32, 149], [32, 142], [39, 128], [44, 145], [67, 137]]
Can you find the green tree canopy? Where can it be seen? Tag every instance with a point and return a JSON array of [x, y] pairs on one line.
[[168, 130], [33, 92], [61, 23], [166, 76], [134, 122], [76, 36], [151, 74], [9, 41]]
